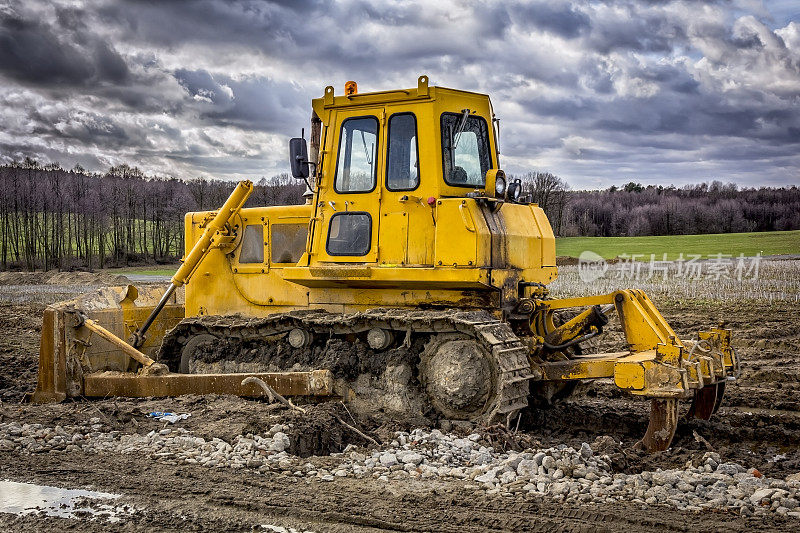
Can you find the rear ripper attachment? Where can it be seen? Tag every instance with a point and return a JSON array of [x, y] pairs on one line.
[[657, 365]]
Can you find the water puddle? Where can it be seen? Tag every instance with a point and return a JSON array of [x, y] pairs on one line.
[[281, 529], [26, 498]]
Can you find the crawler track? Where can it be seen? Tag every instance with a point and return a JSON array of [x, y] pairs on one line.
[[259, 343]]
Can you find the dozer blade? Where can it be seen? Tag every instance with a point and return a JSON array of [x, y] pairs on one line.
[[69, 350], [311, 383], [82, 353]]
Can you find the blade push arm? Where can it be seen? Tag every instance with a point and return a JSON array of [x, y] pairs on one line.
[[198, 252]]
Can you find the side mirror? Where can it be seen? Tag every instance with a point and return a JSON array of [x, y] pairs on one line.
[[298, 157]]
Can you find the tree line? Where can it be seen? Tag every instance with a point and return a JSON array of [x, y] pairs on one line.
[[55, 218], [637, 210]]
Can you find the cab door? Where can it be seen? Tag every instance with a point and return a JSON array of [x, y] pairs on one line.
[[406, 219], [348, 207]]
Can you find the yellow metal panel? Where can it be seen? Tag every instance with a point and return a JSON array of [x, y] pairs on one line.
[[421, 236], [629, 375], [393, 246], [528, 241], [548, 242], [457, 231], [641, 331], [390, 276], [585, 367]]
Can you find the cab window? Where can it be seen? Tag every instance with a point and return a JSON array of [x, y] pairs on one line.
[[252, 250], [349, 234], [288, 242], [402, 166], [356, 167], [465, 147]]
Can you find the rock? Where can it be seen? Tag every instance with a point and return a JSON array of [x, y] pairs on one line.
[[727, 469], [388, 459], [761, 494], [283, 438], [527, 468], [413, 458], [586, 451], [548, 463], [488, 477], [513, 461], [793, 477], [358, 457], [508, 477]]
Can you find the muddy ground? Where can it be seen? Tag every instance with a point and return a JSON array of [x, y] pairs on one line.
[[758, 426]]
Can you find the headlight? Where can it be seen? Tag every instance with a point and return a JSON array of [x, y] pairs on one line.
[[500, 186], [515, 190]]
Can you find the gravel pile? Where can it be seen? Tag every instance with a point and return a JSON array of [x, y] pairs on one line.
[[562, 473]]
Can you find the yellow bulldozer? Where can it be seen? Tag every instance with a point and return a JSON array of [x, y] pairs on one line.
[[412, 284]]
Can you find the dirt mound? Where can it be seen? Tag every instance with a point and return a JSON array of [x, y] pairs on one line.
[[563, 260], [55, 277]]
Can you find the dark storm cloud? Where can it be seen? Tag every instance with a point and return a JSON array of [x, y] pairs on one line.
[[563, 20], [40, 53], [680, 90], [253, 103]]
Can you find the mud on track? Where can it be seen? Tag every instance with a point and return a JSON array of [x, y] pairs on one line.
[[758, 426]]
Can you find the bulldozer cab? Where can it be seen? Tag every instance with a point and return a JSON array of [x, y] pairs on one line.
[[385, 160]]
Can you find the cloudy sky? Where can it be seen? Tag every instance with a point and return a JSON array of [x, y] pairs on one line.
[[598, 93]]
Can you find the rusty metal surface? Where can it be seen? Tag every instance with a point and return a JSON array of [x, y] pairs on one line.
[[50, 387], [313, 383], [68, 351], [116, 341], [582, 367]]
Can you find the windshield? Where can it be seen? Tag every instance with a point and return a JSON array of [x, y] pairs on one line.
[[465, 154], [355, 168]]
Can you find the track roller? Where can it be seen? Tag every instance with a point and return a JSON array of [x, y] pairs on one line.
[[379, 338], [300, 338]]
